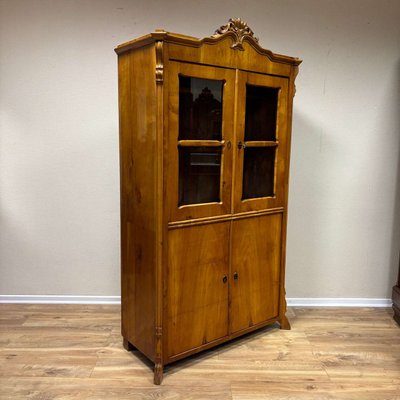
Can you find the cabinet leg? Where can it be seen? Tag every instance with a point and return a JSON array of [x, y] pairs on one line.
[[128, 346], [284, 323], [158, 373], [396, 314]]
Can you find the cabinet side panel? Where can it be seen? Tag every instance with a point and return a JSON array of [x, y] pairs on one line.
[[137, 105], [291, 93]]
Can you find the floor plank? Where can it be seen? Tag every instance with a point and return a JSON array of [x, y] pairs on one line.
[[75, 352]]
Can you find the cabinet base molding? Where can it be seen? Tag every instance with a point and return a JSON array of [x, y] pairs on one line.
[[159, 366]]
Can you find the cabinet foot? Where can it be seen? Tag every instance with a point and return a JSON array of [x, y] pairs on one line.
[[158, 374], [128, 346], [396, 314], [284, 323]]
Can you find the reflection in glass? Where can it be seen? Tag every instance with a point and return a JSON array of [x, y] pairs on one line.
[[258, 172], [200, 108], [199, 175], [261, 109]]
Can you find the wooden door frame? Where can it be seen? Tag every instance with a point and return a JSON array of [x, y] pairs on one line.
[[202, 210], [279, 199]]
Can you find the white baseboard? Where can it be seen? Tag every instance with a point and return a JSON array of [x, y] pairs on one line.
[[292, 302], [55, 299], [338, 302]]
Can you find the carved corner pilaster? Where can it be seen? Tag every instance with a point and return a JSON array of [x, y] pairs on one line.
[[158, 366], [240, 29], [159, 63], [158, 332], [158, 373], [294, 74]]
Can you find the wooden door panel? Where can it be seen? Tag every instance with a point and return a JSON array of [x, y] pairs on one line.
[[256, 260], [197, 299]]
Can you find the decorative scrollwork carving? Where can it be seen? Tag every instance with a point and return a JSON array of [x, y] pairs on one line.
[[240, 29], [159, 63]]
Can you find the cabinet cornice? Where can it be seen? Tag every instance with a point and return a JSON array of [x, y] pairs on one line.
[[237, 37]]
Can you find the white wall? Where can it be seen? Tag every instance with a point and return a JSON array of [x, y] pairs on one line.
[[59, 177]]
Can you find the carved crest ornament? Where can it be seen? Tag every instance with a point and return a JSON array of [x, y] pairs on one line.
[[240, 29]]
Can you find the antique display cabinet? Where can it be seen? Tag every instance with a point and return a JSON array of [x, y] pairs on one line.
[[205, 130]]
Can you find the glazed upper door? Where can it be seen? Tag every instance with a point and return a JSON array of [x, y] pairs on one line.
[[261, 142], [200, 127]]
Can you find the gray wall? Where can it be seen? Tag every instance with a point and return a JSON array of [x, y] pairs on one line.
[[59, 176]]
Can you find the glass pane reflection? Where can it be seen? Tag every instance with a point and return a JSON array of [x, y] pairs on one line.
[[261, 109], [200, 108], [199, 175], [258, 172]]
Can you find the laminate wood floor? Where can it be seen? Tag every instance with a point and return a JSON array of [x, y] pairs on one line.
[[75, 352]]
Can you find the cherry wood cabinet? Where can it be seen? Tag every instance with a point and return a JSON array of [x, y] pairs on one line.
[[205, 130]]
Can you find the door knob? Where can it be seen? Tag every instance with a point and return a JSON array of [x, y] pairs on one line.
[[225, 279], [235, 276]]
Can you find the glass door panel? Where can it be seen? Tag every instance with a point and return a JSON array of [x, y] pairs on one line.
[[200, 131], [262, 142], [200, 108], [261, 109], [199, 175], [258, 172]]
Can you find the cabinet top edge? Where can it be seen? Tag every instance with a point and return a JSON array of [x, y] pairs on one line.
[[221, 34]]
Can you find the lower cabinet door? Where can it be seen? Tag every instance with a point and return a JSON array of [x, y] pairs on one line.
[[197, 291], [256, 249]]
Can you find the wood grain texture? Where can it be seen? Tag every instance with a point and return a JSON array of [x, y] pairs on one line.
[[256, 263], [160, 215], [197, 294], [137, 104], [75, 352], [249, 59]]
